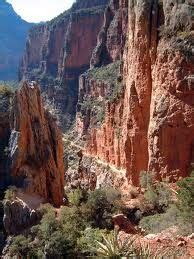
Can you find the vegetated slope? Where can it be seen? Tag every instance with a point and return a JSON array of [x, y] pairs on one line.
[[60, 50], [13, 32]]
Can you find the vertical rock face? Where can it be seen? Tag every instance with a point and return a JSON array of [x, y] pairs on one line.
[[112, 37], [146, 110], [59, 51], [171, 126], [5, 99], [36, 150]]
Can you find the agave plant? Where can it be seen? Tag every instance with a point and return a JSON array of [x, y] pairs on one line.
[[113, 248]]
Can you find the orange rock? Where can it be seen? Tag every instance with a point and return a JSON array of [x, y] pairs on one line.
[[36, 149], [154, 115]]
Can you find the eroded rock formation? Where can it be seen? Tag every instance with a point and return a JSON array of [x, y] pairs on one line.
[[59, 51], [36, 149], [146, 111]]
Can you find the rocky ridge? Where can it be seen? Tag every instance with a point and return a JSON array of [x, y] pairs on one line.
[[35, 147]]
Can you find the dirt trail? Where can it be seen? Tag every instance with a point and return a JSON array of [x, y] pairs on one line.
[[98, 161]]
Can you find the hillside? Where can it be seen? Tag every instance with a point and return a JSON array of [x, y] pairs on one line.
[[13, 32]]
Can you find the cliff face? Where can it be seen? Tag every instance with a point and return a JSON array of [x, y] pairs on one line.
[[137, 113], [5, 102], [13, 33], [59, 51], [36, 149]]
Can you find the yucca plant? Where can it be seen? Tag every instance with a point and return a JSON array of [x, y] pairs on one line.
[[113, 248]]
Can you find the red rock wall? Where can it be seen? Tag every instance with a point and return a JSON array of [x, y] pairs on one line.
[[154, 114], [36, 148], [62, 49]]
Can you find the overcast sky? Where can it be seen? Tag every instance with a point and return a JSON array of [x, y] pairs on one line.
[[40, 10]]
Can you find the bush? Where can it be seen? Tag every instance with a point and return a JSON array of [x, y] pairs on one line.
[[6, 90], [158, 195], [146, 179], [87, 243], [107, 73], [186, 199], [180, 214], [10, 193], [70, 233], [48, 225], [20, 246], [75, 197], [101, 205]]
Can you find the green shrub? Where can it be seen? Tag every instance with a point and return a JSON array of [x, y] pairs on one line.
[[87, 243], [108, 74], [146, 179], [75, 197], [179, 213], [48, 225], [186, 199], [6, 90], [57, 245], [10, 193], [20, 246], [101, 205], [158, 195]]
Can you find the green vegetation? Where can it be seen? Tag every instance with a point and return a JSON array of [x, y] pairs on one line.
[[157, 195], [85, 227], [169, 211], [87, 12], [96, 106], [75, 230], [115, 248], [5, 91], [108, 74], [10, 193]]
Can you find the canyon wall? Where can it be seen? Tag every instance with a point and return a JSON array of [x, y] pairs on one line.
[[35, 147], [59, 51], [136, 113]]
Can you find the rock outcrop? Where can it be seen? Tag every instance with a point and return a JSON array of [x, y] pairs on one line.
[[18, 217], [59, 51], [35, 146], [5, 102], [139, 115]]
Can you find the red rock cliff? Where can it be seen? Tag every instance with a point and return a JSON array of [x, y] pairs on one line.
[[59, 51], [36, 149], [146, 110]]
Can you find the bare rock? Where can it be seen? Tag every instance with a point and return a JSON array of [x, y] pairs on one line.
[[36, 148]]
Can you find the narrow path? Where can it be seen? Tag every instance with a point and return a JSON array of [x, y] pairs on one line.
[[97, 159]]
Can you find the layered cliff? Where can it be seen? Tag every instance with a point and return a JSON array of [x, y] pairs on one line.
[[136, 113], [35, 147], [59, 51]]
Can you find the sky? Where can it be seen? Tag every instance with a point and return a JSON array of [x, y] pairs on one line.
[[40, 10]]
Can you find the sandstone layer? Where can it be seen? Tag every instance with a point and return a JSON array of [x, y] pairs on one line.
[[146, 111], [35, 146]]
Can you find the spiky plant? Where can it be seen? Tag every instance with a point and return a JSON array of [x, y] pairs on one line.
[[113, 248]]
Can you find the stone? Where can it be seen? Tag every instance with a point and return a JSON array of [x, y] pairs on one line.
[[18, 216], [35, 147], [59, 51], [154, 112], [122, 223]]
